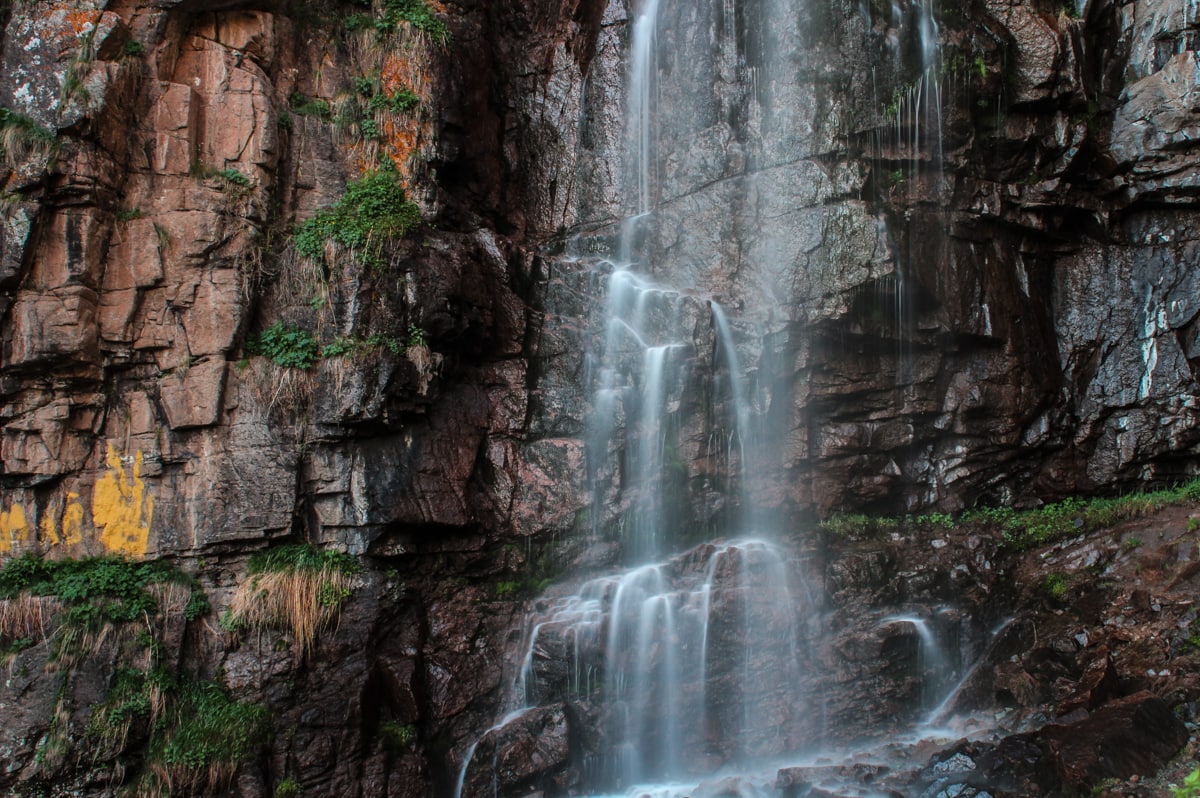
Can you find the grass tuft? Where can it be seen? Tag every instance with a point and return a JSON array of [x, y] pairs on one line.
[[297, 588]]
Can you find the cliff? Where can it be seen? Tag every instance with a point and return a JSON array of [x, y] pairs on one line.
[[279, 271]]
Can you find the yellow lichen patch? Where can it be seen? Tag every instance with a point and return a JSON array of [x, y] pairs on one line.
[[15, 534], [121, 508]]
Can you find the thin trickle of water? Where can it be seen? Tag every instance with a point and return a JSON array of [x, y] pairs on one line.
[[642, 102], [934, 666]]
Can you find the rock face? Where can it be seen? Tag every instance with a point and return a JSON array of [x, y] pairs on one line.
[[1000, 312]]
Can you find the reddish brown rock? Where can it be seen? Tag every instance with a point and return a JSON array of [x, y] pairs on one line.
[[1129, 736]]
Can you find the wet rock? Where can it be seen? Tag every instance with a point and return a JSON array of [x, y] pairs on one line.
[[1133, 735], [530, 749]]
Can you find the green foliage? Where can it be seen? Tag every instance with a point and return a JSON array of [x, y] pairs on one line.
[[303, 105], [129, 214], [14, 647], [398, 102], [1055, 587], [229, 178], [1131, 543], [288, 788], [416, 13], [95, 588], [416, 336], [397, 736], [302, 557], [860, 527], [286, 345], [133, 48], [1190, 787], [1075, 516], [1024, 530], [128, 702], [373, 209], [206, 728], [352, 346]]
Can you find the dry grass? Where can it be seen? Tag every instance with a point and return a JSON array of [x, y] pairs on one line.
[[302, 602], [26, 616]]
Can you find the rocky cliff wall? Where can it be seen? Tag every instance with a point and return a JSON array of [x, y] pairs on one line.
[[1006, 314]]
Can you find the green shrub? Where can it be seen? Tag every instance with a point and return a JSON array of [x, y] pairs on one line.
[[1190, 788], [1055, 587], [417, 13], [397, 736], [373, 209], [206, 734], [133, 48], [303, 105], [286, 345], [96, 589], [288, 788], [398, 102]]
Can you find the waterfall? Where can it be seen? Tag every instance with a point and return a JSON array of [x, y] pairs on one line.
[[698, 649]]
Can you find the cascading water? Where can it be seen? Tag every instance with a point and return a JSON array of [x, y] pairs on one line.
[[703, 654]]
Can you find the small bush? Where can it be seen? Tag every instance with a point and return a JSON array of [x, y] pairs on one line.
[[204, 736], [1190, 787], [288, 788], [286, 345], [397, 736], [416, 13], [95, 588], [303, 105], [373, 209], [1055, 587], [398, 102], [133, 48]]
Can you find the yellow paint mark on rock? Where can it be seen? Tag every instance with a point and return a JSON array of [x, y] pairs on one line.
[[121, 508], [72, 516], [72, 521], [48, 531], [14, 530]]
